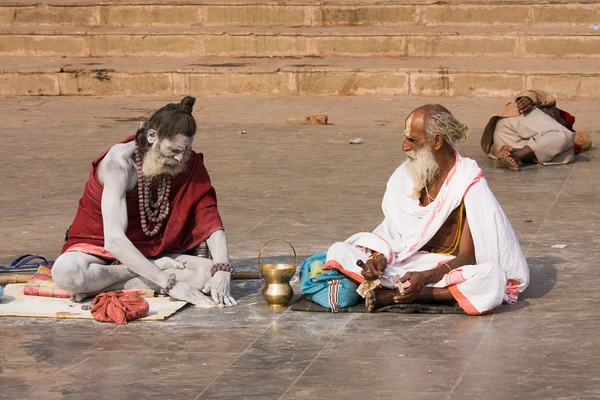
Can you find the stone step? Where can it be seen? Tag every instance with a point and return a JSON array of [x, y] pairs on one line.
[[299, 13], [502, 42], [481, 77]]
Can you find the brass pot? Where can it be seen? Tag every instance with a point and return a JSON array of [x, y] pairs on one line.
[[277, 291]]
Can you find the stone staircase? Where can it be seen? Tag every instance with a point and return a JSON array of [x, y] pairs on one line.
[[306, 47]]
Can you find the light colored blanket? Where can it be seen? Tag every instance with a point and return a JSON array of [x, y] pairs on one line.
[[15, 304]]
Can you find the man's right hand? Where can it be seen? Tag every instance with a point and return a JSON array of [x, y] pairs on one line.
[[524, 104], [186, 292], [375, 268]]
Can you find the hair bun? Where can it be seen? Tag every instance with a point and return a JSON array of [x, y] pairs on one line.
[[187, 104]]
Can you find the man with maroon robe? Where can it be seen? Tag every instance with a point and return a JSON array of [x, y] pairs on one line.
[[147, 213]]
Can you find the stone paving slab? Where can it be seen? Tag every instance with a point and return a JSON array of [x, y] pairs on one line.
[[479, 77], [182, 41], [306, 184], [298, 13], [488, 66]]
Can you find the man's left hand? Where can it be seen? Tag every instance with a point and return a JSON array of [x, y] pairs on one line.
[[219, 288], [414, 281]]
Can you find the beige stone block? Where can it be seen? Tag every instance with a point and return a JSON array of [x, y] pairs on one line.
[[385, 46], [568, 87], [216, 84], [43, 15], [6, 15], [351, 83], [422, 84], [138, 45], [464, 46], [466, 14], [255, 46], [146, 15], [562, 47], [255, 15], [481, 85], [105, 82], [36, 84], [48, 46], [566, 14], [589, 87], [396, 15], [445, 83]]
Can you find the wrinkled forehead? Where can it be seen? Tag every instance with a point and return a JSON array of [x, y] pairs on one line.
[[180, 141], [413, 126], [407, 125]]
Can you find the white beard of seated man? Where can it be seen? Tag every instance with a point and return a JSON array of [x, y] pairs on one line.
[[156, 236]]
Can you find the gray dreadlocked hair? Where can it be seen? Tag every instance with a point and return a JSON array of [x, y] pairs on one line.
[[440, 121]]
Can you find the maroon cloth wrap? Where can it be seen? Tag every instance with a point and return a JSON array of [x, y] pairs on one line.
[[569, 122], [119, 307], [194, 215], [568, 118]]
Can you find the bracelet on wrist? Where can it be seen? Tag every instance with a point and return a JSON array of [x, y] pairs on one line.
[[221, 267], [169, 286], [449, 269]]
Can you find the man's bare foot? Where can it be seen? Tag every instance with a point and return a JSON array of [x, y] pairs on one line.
[[501, 151], [505, 151], [379, 297], [507, 162], [79, 297]]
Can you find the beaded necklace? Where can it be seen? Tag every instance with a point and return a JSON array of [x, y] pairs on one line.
[[156, 211]]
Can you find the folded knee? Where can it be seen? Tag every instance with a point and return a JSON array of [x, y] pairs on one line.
[[488, 269], [68, 273], [339, 246], [493, 273]]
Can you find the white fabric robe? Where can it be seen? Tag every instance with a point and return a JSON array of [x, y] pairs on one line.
[[500, 272]]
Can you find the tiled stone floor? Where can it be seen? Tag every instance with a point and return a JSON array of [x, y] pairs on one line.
[[308, 185]]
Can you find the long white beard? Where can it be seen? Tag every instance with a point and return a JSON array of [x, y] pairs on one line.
[[423, 167], [155, 164]]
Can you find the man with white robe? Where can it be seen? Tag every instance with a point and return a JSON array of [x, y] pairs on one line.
[[444, 236]]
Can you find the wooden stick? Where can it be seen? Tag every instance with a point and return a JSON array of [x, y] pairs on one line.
[[21, 278], [14, 278], [238, 275]]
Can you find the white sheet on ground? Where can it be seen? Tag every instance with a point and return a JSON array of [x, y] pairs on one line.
[[15, 304]]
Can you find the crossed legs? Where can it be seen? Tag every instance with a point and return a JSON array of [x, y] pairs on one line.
[[86, 275]]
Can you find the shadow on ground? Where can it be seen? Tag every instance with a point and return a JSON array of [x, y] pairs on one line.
[[543, 276]]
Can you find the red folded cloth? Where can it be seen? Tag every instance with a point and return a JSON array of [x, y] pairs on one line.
[[119, 307]]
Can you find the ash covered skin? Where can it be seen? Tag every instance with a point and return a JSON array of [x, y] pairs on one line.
[[164, 150], [168, 156]]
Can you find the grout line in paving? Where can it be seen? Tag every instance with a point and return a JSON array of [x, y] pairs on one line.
[[317, 356], [550, 209], [68, 365], [427, 321], [470, 358], [241, 353]]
